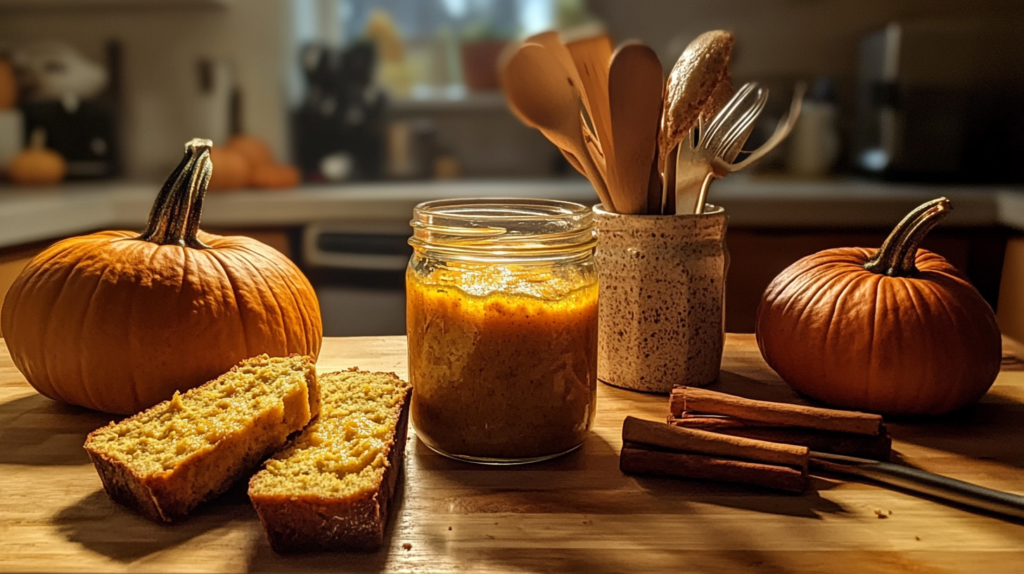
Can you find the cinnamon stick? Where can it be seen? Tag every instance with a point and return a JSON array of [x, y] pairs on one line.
[[687, 440], [635, 459], [875, 447], [689, 399], [713, 422]]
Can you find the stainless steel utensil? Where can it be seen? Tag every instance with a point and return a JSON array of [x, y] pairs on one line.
[[924, 482], [727, 131], [709, 150], [723, 167]]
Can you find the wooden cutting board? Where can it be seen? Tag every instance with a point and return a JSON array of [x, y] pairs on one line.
[[574, 514]]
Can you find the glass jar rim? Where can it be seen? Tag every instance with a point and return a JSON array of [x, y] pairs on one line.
[[514, 227]]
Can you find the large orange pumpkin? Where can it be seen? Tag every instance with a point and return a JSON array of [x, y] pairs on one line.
[[117, 321], [895, 330]]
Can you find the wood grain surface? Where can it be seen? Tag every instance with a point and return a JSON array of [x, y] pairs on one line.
[[574, 514]]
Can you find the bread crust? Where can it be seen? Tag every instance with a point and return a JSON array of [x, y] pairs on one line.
[[170, 495], [306, 523]]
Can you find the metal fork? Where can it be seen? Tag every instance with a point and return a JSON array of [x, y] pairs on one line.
[[711, 150], [737, 133], [727, 132], [736, 119], [723, 166]]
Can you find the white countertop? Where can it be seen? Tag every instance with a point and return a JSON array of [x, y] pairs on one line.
[[28, 215]]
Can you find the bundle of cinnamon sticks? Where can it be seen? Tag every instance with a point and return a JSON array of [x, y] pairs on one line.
[[717, 436]]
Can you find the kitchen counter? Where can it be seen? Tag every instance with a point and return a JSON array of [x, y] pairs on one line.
[[28, 215], [578, 513]]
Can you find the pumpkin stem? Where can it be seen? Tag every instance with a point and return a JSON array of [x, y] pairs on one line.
[[174, 219], [898, 254], [37, 140]]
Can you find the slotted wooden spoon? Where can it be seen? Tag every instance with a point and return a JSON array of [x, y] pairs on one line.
[[592, 56]]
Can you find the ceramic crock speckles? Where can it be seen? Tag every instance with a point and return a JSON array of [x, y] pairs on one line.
[[662, 301]]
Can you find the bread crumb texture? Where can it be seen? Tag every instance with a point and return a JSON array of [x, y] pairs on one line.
[[342, 453], [191, 424]]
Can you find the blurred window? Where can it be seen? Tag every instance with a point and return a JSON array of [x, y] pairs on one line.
[[341, 21]]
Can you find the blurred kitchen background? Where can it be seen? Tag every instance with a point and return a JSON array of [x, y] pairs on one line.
[[368, 107]]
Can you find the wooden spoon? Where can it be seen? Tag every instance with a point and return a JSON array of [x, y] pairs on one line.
[[538, 87], [635, 84], [594, 147], [511, 49], [592, 56], [693, 80], [552, 41]]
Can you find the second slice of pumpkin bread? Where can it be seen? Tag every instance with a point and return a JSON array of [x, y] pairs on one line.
[[166, 460], [331, 488]]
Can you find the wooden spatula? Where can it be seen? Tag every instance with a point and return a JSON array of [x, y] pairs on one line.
[[635, 85], [552, 41], [539, 89], [592, 56]]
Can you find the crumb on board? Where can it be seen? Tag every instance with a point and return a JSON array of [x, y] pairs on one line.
[[407, 546], [917, 538], [881, 514], [449, 528]]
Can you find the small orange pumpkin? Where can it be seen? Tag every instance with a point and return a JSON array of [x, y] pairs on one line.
[[37, 164], [255, 151], [230, 169], [895, 330], [118, 321], [276, 176]]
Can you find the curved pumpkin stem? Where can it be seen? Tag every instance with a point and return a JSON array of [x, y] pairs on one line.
[[898, 254], [174, 219]]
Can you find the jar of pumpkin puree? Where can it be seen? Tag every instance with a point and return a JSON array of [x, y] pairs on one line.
[[501, 300]]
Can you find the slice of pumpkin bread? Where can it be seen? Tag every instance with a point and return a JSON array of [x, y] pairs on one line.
[[330, 489], [168, 459]]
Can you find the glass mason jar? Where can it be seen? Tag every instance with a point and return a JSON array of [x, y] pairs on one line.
[[501, 300]]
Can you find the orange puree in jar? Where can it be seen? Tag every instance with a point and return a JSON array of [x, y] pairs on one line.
[[503, 351], [507, 376]]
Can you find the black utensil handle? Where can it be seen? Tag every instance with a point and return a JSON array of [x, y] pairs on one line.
[[931, 484]]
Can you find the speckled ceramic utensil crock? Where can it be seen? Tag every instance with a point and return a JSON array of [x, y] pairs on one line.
[[662, 302]]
